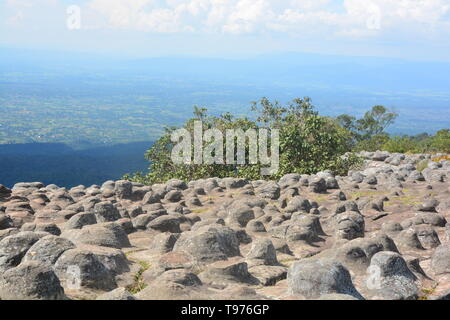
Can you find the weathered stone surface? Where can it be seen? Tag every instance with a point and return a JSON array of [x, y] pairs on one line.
[[211, 243], [440, 261], [48, 249], [80, 220], [113, 259], [224, 272], [298, 204], [240, 215], [123, 189], [117, 294], [393, 279], [350, 225], [262, 252], [318, 185], [269, 190], [78, 268], [174, 284], [165, 224], [106, 212], [30, 280], [268, 275], [164, 242], [315, 278], [13, 248], [5, 222], [408, 239], [109, 234], [427, 236], [234, 239]]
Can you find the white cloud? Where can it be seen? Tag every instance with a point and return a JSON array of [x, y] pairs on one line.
[[18, 12], [308, 18], [356, 17], [30, 3], [15, 19]]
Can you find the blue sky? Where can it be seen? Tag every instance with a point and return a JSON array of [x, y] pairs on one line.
[[411, 29]]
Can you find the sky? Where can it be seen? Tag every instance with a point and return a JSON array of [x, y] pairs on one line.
[[409, 29]]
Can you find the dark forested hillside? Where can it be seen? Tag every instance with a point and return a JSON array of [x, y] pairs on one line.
[[61, 165]]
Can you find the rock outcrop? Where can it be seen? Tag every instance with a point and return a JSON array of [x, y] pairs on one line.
[[381, 232]]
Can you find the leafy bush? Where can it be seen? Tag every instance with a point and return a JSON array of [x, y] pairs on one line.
[[308, 143], [422, 143], [401, 145], [373, 143], [441, 141]]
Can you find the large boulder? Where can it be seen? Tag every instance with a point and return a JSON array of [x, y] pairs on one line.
[[164, 242], [318, 185], [61, 199], [301, 230], [349, 225], [48, 249], [49, 227], [173, 196], [240, 215], [174, 285], [109, 234], [13, 248], [268, 275], [234, 183], [269, 190], [106, 212], [209, 243], [440, 261], [390, 277], [289, 179], [150, 198], [6, 222], [4, 192], [220, 273], [80, 220], [166, 223], [313, 278], [428, 237], [297, 204], [113, 259], [408, 240], [77, 268], [123, 189], [262, 252], [31, 280]]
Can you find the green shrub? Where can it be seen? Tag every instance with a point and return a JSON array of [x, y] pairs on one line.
[[373, 143], [401, 145], [441, 141], [308, 143]]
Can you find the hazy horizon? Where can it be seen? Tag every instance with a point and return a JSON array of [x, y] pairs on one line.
[[114, 71], [416, 30]]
